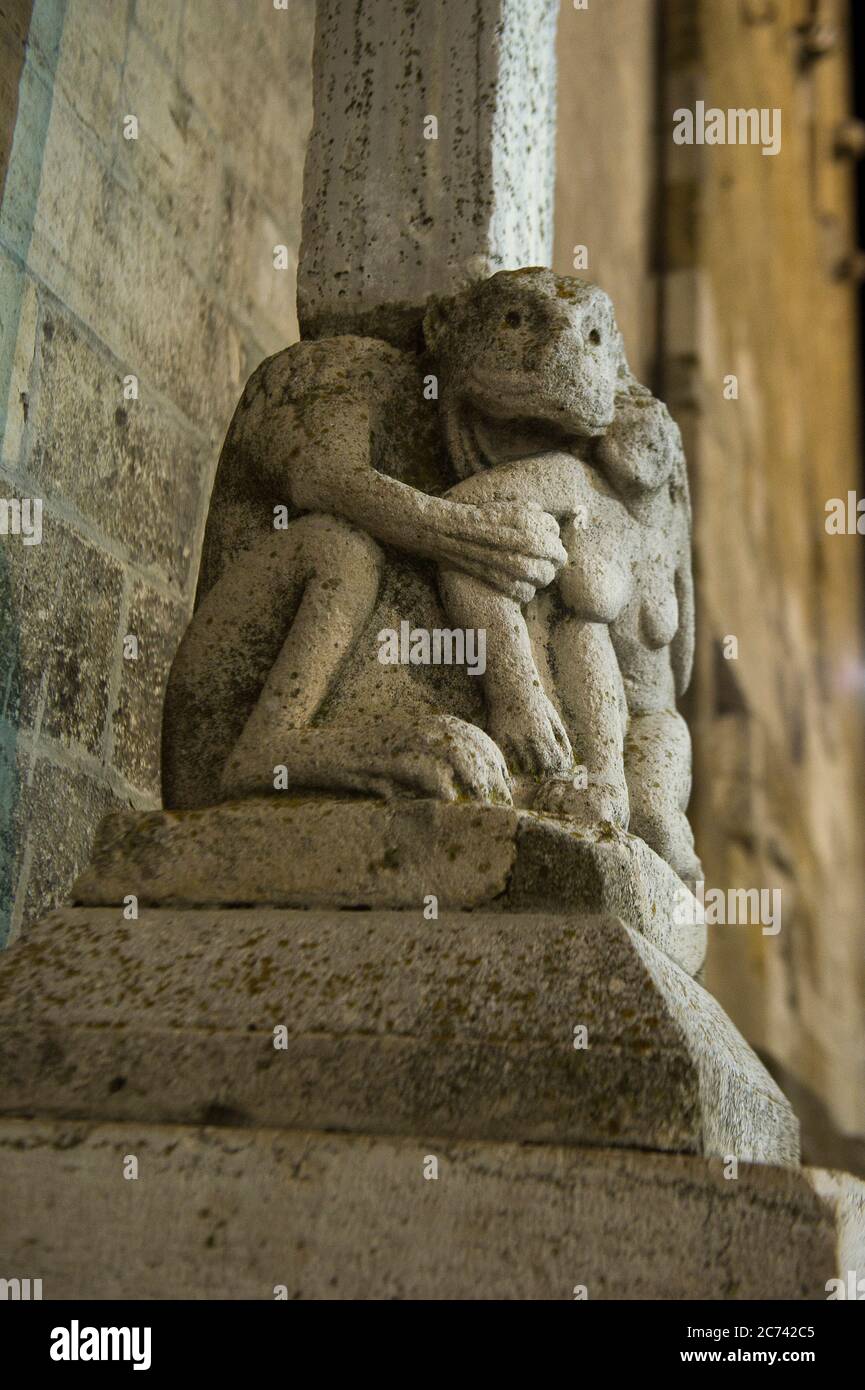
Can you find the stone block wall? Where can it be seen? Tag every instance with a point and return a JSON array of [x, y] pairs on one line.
[[137, 292]]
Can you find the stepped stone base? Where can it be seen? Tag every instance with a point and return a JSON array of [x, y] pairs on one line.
[[308, 852], [275, 1073], [562, 1028], [233, 1214]]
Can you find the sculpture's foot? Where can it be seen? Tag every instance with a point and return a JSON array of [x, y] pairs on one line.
[[440, 757], [530, 733], [597, 804]]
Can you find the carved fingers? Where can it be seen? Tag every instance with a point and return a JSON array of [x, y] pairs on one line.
[[514, 547]]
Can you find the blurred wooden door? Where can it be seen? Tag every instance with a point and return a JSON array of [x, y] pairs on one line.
[[736, 274]]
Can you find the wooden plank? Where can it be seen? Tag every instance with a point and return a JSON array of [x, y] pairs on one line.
[[754, 289]]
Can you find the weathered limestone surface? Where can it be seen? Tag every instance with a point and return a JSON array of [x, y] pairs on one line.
[[301, 852], [464, 1026], [546, 1022], [541, 503], [150, 258], [391, 216], [225, 1213], [607, 58]]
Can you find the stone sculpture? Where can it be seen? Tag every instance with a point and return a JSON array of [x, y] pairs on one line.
[[516, 478]]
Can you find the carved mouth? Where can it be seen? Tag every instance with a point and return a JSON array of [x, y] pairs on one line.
[[487, 389], [507, 396]]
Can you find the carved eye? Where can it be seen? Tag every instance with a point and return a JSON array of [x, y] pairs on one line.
[[594, 336], [513, 319]]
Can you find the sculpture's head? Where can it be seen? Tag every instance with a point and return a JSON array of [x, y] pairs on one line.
[[529, 345]]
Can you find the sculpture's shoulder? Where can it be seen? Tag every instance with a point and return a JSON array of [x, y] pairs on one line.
[[342, 369], [642, 447], [315, 398], [308, 388]]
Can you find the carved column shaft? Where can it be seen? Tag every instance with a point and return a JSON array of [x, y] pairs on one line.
[[432, 149]]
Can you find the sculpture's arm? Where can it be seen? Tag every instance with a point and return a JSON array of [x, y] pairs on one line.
[[558, 482], [514, 547], [682, 645], [521, 718]]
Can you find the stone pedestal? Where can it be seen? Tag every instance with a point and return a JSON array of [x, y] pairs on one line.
[[366, 1102], [238, 1213], [301, 852], [537, 1027]]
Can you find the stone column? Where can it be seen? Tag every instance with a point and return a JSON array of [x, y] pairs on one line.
[[432, 156], [510, 1038]]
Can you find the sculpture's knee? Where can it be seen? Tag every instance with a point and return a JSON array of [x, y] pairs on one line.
[[668, 832], [480, 487], [319, 572], [658, 759], [658, 770], [332, 550]]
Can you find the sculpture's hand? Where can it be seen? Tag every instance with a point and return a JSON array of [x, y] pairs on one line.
[[515, 547]]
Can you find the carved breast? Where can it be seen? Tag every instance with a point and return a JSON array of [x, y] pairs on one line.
[[597, 581]]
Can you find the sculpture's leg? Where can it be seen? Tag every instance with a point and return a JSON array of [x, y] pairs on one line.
[[261, 653], [658, 769], [592, 698], [428, 755], [520, 718]]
